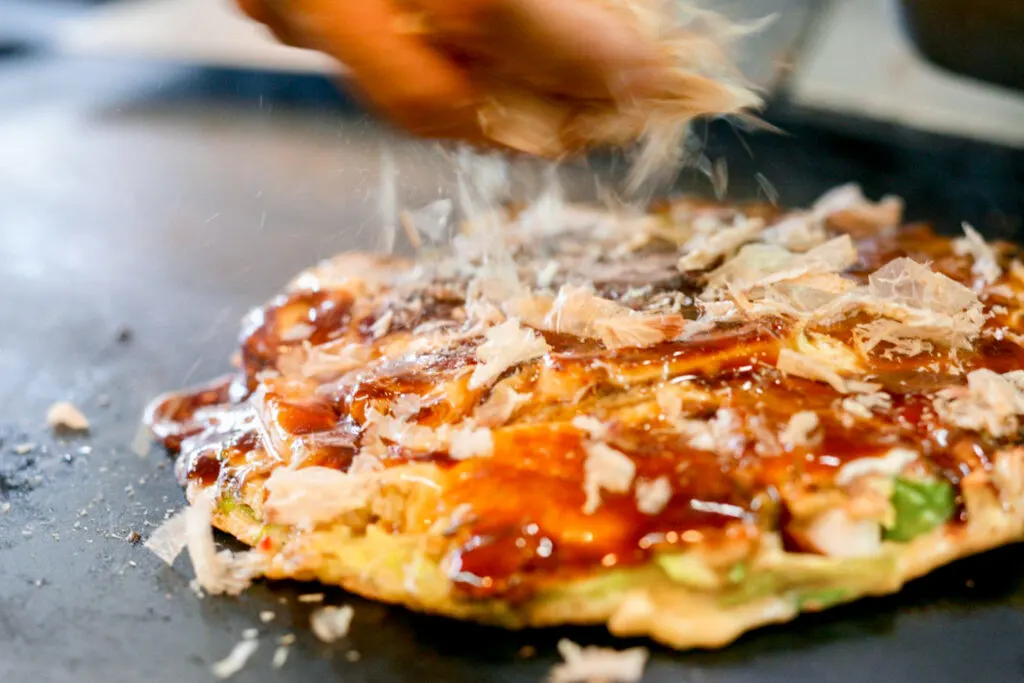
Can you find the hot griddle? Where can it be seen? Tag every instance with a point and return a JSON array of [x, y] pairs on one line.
[[144, 208]]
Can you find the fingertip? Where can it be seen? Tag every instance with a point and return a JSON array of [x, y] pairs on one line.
[[254, 9], [581, 47], [437, 108]]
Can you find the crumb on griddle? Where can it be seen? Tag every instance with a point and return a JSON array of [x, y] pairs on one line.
[[64, 415], [331, 623]]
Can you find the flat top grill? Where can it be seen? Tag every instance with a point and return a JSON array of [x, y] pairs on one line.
[[144, 208]]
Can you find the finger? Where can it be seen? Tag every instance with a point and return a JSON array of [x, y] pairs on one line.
[[396, 71], [571, 47]]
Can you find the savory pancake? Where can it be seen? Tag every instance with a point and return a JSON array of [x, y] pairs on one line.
[[684, 424]]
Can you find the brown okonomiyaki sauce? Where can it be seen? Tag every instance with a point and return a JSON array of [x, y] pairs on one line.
[[525, 523], [325, 313]]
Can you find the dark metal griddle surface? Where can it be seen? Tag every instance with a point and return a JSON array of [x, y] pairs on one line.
[[143, 209]]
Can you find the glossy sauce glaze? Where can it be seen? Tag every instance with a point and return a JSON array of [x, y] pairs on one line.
[[525, 525]]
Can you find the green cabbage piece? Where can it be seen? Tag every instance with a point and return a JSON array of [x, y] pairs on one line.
[[689, 570], [920, 507], [820, 598], [229, 505], [813, 578], [738, 572]]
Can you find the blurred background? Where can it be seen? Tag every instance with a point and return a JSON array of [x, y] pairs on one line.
[[210, 110], [164, 166], [187, 109], [172, 149], [137, 119]]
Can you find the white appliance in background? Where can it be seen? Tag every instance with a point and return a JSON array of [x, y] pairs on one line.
[[854, 60], [861, 63]]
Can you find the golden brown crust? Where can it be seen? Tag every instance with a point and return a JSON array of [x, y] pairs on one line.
[[679, 453], [648, 604]]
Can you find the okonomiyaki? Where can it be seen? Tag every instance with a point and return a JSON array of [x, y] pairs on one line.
[[683, 424]]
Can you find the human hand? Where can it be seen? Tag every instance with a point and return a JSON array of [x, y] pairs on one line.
[[433, 66]]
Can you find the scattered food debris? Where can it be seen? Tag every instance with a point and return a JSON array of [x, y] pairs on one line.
[[287, 639], [24, 448], [266, 616], [216, 571], [236, 659], [103, 400], [169, 539], [331, 623], [311, 597], [125, 335], [586, 664], [142, 441], [64, 415], [5, 507], [353, 656]]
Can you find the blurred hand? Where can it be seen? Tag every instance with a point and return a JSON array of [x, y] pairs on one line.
[[429, 64]]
